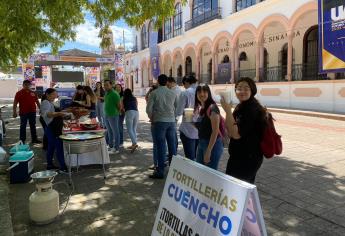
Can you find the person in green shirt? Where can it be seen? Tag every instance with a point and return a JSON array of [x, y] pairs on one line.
[[112, 111]]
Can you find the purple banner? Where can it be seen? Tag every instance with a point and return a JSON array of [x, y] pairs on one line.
[[154, 54], [331, 36]]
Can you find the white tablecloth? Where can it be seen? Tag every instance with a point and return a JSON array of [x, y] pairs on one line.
[[89, 158]]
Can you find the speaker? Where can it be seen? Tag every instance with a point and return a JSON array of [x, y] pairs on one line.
[[38, 72]]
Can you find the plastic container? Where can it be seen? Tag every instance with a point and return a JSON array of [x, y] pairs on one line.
[[19, 147], [21, 166]]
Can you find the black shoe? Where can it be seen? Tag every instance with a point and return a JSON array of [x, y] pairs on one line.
[[36, 141], [156, 175]]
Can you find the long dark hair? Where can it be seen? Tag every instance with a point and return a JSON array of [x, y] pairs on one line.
[[128, 95], [88, 91], [121, 92], [208, 102], [101, 89]]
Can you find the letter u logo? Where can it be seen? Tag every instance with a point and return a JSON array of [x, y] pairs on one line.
[[340, 15]]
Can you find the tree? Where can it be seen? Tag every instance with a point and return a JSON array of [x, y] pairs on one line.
[[26, 25]]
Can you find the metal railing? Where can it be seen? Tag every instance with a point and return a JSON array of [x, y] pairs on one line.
[[207, 16], [221, 78], [205, 79], [307, 72], [273, 74], [251, 73], [177, 32]]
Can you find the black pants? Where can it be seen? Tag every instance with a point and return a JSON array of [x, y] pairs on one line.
[[244, 168]]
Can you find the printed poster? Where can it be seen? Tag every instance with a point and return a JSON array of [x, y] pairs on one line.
[[331, 36], [199, 201]]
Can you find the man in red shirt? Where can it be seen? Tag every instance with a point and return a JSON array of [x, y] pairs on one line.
[[27, 100]]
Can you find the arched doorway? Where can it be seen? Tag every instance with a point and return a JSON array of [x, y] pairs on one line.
[[189, 66], [226, 59], [310, 55], [283, 61]]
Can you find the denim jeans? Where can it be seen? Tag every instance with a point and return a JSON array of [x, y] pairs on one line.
[[216, 152], [164, 132], [54, 144], [121, 119], [154, 148], [31, 117], [132, 118], [189, 146], [100, 113], [112, 124]]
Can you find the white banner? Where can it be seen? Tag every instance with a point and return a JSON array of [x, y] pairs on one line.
[[199, 201]]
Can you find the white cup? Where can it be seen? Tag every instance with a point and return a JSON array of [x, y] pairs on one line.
[[226, 95], [188, 113]]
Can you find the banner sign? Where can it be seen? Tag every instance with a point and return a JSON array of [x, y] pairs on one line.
[[119, 68], [46, 57], [29, 72], [154, 54], [224, 72], [331, 36], [199, 201]]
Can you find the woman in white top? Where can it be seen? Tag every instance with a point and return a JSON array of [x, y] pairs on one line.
[[54, 125]]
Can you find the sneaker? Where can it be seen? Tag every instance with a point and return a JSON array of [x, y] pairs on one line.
[[121, 145], [117, 151], [156, 175], [36, 141], [111, 150]]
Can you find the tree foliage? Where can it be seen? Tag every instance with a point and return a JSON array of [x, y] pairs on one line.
[[26, 25]]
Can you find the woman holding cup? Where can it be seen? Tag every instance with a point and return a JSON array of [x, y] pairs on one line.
[[210, 148]]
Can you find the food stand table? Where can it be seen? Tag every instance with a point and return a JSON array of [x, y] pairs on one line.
[[82, 145]]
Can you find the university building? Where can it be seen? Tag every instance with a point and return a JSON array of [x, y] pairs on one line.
[[274, 42]]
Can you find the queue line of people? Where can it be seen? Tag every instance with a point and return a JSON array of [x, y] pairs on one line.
[[202, 138]]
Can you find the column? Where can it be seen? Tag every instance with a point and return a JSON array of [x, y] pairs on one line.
[[257, 60], [233, 67], [237, 63], [233, 6], [290, 57], [197, 73], [214, 63]]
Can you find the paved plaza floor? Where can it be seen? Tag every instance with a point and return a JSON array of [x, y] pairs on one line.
[[302, 192]]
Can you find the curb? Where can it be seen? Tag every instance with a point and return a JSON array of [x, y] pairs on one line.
[[6, 227], [331, 116]]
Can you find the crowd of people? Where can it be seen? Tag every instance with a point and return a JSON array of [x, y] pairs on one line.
[[202, 137], [110, 104]]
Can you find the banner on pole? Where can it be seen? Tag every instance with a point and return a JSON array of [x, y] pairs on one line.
[[154, 54], [331, 36], [119, 68], [29, 71], [199, 201]]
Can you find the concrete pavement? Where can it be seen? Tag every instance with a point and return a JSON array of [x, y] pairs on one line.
[[302, 192]]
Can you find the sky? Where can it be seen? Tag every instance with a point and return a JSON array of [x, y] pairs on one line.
[[87, 36]]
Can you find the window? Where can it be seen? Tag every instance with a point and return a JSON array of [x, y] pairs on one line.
[[242, 4], [201, 7], [167, 29], [144, 41], [178, 20]]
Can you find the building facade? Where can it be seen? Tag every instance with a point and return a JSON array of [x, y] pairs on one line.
[[274, 42]]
